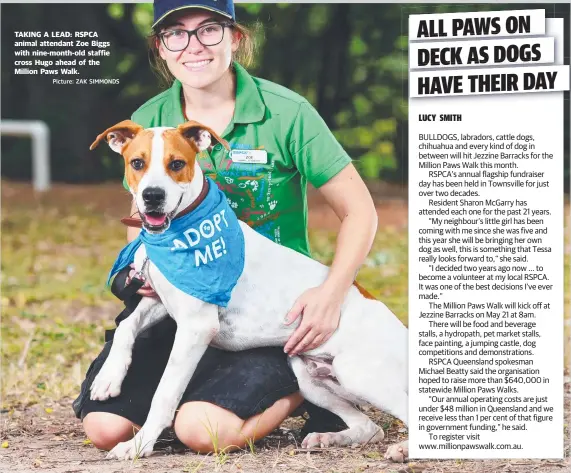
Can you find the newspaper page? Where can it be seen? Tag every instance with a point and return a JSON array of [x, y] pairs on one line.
[[487, 234]]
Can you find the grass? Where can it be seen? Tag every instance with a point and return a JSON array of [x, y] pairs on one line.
[[251, 445], [221, 455], [54, 300], [195, 465], [55, 305]]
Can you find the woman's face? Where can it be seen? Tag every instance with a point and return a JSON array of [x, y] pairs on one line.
[[199, 66]]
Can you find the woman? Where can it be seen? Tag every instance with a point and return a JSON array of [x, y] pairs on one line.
[[235, 397]]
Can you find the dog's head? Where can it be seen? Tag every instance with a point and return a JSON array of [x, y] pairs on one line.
[[160, 166]]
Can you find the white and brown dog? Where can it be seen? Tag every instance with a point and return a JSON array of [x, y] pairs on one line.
[[365, 361]]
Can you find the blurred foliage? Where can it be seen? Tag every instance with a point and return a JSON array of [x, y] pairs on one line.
[[350, 60]]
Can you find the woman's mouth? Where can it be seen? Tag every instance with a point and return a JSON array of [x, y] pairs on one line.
[[196, 65]]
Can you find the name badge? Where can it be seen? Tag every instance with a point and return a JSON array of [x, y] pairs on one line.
[[254, 156]]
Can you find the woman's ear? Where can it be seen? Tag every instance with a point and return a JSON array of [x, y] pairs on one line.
[[160, 48], [236, 39]]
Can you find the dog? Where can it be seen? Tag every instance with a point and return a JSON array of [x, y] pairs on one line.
[[364, 361]]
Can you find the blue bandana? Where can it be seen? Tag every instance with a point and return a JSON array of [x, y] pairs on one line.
[[201, 253]]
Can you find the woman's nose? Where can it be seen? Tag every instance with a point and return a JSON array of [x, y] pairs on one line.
[[194, 45]]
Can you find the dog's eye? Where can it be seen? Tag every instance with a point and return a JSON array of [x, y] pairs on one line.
[[177, 165], [137, 164]]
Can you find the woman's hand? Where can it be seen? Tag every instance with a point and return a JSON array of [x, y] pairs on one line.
[[320, 310], [146, 290]]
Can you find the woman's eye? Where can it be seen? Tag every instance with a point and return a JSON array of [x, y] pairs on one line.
[[175, 33], [177, 165], [137, 164], [210, 29]]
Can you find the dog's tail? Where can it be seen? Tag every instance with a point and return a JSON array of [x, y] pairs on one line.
[[363, 291]]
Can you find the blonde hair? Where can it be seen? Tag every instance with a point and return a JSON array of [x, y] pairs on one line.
[[245, 54]]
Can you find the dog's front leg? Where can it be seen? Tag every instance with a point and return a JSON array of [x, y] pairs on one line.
[[193, 335], [108, 381]]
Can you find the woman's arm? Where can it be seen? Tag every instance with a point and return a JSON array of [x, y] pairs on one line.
[[321, 306], [351, 201]]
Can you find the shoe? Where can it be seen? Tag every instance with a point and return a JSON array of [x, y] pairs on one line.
[[321, 420]]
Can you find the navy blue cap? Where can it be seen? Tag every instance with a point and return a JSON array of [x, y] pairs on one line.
[[163, 8]]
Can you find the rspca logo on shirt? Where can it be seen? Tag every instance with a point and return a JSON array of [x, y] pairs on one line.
[[252, 156]]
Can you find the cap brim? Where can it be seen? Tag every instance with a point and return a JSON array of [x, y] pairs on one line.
[[223, 13]]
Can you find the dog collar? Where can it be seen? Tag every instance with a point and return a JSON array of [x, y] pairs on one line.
[[138, 223]]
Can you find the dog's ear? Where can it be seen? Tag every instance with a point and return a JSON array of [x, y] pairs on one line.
[[118, 135], [201, 136]]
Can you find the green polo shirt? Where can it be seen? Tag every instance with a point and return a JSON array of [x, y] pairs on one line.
[[296, 146]]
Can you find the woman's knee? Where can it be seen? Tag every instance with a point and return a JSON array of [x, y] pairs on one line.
[[205, 427], [105, 430]]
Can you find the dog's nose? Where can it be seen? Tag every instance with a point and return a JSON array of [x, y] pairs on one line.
[[154, 195]]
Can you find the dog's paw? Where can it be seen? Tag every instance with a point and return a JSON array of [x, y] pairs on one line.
[[326, 439], [398, 452], [108, 382], [131, 450]]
